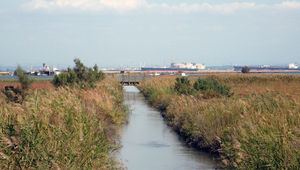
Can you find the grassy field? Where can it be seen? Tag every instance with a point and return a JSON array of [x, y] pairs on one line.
[[257, 128], [64, 128]]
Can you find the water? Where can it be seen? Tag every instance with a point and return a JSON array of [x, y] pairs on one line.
[[149, 144], [36, 77]]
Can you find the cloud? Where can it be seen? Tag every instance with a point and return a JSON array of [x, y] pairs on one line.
[[206, 7], [87, 5], [288, 5], [131, 5]]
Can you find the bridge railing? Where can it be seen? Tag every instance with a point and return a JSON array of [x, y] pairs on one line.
[[131, 78]]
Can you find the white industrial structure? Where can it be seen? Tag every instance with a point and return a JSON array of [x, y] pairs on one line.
[[188, 65], [293, 66]]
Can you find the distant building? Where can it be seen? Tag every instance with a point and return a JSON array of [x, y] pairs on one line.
[[293, 66], [188, 66], [56, 71], [175, 67]]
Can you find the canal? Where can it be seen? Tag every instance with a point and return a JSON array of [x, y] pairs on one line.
[[148, 143]]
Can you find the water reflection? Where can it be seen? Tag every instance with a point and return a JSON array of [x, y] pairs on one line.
[[148, 143]]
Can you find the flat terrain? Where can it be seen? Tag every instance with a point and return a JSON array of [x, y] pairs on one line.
[[257, 127]]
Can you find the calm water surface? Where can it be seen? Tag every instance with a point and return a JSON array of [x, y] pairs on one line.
[[36, 77], [149, 144]]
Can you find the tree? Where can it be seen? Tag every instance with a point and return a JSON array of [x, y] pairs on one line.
[[212, 85], [23, 78], [183, 86], [80, 75], [245, 69], [25, 81]]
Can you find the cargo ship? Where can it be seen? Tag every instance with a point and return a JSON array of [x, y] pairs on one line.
[[176, 67], [266, 68]]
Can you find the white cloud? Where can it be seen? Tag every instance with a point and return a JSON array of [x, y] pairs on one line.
[[223, 8], [93, 5], [289, 5], [129, 5]]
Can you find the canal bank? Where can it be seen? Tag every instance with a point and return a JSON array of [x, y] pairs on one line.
[[148, 143], [242, 129]]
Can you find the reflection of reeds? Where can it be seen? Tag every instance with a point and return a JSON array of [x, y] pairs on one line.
[[259, 127], [61, 128]]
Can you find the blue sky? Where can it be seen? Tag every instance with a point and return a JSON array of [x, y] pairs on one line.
[[155, 32]]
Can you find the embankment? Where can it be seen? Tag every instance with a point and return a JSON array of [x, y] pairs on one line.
[[63, 128], [257, 128]]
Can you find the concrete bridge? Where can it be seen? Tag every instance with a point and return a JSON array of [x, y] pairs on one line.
[[130, 78]]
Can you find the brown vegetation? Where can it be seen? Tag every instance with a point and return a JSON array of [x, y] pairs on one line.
[[33, 86], [63, 128], [257, 128]]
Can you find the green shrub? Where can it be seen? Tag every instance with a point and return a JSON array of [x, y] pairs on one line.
[[212, 85], [65, 79], [60, 80], [23, 78], [18, 94], [245, 69], [81, 75], [183, 86]]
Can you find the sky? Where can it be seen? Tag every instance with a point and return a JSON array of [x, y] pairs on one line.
[[113, 33]]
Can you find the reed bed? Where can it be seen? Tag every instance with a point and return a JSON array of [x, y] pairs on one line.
[[35, 85], [33, 79], [64, 128], [257, 128]]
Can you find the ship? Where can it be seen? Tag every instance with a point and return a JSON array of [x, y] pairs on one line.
[[176, 67], [267, 68], [45, 71]]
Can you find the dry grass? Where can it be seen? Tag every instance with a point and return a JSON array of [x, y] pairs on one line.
[[261, 84], [257, 128], [33, 86], [62, 128]]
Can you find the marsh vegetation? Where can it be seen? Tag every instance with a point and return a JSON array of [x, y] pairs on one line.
[[255, 125], [68, 127]]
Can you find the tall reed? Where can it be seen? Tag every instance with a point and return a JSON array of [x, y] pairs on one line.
[[64, 128], [257, 128]]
